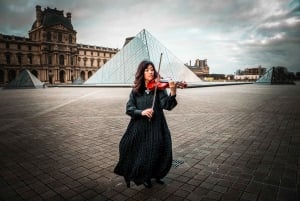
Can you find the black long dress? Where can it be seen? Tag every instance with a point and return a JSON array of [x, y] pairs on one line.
[[145, 150]]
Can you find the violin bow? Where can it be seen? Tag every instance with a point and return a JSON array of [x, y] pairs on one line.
[[155, 89]]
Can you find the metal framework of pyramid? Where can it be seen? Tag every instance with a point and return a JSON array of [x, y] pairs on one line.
[[24, 80], [276, 75], [122, 67]]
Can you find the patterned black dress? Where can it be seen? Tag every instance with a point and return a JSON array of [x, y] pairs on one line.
[[145, 150]]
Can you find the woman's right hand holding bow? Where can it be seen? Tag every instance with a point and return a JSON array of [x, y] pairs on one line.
[[148, 112]]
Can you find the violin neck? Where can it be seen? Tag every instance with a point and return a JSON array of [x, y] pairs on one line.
[[167, 81]]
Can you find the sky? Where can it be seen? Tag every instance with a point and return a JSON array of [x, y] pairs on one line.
[[230, 34]]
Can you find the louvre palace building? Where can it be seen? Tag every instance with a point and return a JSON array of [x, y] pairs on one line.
[[51, 52]]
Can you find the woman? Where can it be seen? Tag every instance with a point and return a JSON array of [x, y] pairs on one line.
[[146, 148]]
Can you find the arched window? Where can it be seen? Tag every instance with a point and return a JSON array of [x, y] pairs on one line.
[[62, 76], [90, 74], [82, 75], [61, 60]]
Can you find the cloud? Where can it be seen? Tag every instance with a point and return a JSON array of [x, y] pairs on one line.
[[232, 34]]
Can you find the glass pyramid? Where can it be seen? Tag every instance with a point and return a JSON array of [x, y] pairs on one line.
[[25, 80], [122, 67], [276, 75]]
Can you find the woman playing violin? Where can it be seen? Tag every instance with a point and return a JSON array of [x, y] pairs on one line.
[[145, 150]]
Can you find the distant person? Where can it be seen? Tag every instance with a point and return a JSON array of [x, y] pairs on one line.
[[145, 150]]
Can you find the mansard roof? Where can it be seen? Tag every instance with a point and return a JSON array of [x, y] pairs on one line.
[[52, 17]]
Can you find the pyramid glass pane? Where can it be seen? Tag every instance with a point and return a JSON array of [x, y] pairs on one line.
[[122, 67], [267, 77]]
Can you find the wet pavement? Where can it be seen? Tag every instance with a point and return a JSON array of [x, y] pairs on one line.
[[235, 143]]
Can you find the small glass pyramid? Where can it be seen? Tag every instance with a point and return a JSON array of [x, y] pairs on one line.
[[122, 67], [276, 75], [24, 80]]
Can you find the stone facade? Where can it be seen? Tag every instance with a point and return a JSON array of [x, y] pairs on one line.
[[51, 52], [200, 68], [250, 73]]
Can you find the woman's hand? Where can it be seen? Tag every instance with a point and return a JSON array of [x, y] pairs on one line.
[[147, 112], [172, 86]]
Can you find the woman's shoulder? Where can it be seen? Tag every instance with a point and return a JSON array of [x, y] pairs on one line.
[[134, 93]]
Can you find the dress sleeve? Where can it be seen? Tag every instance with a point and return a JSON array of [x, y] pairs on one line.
[[167, 102], [131, 108]]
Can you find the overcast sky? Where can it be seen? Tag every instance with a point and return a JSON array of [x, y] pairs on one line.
[[230, 34]]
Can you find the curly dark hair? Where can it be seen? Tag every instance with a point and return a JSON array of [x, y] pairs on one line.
[[139, 82]]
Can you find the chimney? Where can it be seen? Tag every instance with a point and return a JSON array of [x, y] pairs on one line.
[[38, 11], [69, 16]]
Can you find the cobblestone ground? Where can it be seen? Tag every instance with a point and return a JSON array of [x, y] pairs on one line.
[[237, 143]]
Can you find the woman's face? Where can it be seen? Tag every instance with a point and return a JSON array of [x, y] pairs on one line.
[[149, 73]]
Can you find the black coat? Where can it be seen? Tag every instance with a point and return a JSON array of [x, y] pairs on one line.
[[145, 150]]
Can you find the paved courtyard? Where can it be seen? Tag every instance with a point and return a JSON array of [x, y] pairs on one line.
[[233, 143]]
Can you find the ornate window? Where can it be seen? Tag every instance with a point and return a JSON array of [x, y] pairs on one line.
[[29, 58], [59, 37], [7, 56], [92, 62], [19, 57], [84, 61], [70, 38], [62, 76], [61, 60], [49, 59], [82, 75], [49, 36], [90, 74]]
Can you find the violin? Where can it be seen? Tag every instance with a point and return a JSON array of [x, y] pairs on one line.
[[163, 84]]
